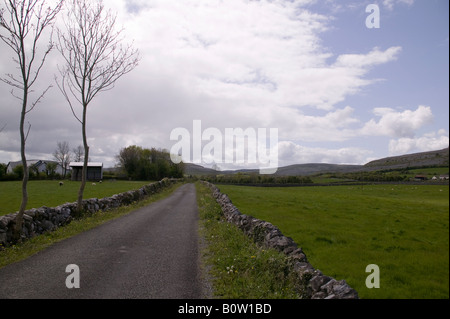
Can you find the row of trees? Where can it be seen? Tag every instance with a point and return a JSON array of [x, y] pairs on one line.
[[256, 179], [93, 54], [148, 164], [34, 173], [374, 176]]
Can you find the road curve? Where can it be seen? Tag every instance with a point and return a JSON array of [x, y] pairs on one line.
[[151, 253]]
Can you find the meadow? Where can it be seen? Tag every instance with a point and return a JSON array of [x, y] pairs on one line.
[[404, 229], [51, 194]]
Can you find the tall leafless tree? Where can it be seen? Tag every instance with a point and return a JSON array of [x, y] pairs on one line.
[[62, 155], [94, 60], [22, 25]]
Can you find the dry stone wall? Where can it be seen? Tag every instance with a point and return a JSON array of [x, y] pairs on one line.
[[37, 221], [316, 285]]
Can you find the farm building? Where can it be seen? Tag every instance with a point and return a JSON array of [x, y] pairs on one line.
[[94, 171]]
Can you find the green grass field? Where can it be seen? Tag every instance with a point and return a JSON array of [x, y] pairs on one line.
[[50, 194], [404, 229]]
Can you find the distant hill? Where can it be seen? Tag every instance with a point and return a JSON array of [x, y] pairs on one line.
[[194, 169], [433, 158], [317, 168], [427, 159], [292, 170]]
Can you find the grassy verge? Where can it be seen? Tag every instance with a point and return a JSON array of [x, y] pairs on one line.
[[50, 194], [404, 229], [32, 246], [240, 269]]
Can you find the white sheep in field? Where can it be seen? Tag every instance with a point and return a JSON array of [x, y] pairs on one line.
[[61, 184]]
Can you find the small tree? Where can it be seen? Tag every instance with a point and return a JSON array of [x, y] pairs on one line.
[[22, 24], [19, 171], [51, 169], [78, 153], [3, 168], [62, 155], [129, 159], [94, 60]]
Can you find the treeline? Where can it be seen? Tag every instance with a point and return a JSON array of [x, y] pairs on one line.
[[374, 176], [34, 174], [242, 178], [148, 164]]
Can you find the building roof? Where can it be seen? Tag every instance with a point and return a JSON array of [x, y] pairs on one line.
[[29, 163], [90, 164]]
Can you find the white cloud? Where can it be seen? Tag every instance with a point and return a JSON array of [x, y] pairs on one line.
[[427, 142], [231, 63], [374, 57], [250, 54], [332, 126], [389, 4], [292, 153], [398, 124]]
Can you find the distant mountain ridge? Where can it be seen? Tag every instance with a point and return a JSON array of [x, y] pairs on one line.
[[432, 158]]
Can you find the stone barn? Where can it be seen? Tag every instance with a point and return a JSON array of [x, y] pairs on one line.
[[94, 171]]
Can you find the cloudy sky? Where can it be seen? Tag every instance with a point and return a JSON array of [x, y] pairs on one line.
[[336, 90]]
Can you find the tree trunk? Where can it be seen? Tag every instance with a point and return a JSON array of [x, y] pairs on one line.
[[85, 164], [23, 205]]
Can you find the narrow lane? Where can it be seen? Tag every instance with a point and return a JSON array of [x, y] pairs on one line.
[[151, 253]]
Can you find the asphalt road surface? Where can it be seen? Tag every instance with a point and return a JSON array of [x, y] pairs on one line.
[[151, 253]]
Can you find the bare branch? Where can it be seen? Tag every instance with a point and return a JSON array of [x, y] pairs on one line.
[[62, 87], [38, 100], [17, 97], [92, 50], [28, 131], [12, 81]]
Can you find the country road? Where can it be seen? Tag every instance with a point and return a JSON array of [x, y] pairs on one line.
[[151, 253]]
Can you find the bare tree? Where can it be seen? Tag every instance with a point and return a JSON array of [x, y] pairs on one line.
[[62, 155], [22, 24], [94, 60], [78, 153]]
